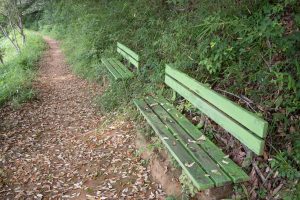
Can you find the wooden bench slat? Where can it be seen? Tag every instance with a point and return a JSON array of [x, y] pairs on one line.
[[194, 171], [253, 142], [128, 57], [230, 168], [124, 69], [208, 165], [117, 68], [128, 51], [123, 73], [246, 118], [113, 71]]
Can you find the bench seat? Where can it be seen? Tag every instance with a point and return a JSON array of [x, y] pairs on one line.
[[117, 69], [203, 162]]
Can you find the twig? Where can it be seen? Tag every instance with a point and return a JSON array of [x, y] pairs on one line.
[[246, 99], [276, 190], [259, 172], [2, 191], [268, 176], [266, 62], [229, 93], [243, 98]]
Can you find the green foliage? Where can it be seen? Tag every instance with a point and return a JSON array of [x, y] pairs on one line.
[[284, 166], [18, 70], [170, 198], [144, 128], [262, 193], [187, 185], [240, 192], [2, 54], [246, 48], [114, 96], [236, 50], [293, 193], [173, 161], [155, 145]]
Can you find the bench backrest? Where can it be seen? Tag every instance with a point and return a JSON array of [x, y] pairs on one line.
[[242, 124], [128, 54]]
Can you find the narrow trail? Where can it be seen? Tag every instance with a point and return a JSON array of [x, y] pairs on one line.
[[51, 148]]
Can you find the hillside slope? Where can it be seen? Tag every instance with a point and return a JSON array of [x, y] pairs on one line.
[[247, 51]]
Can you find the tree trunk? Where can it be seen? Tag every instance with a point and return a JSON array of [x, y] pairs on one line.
[[14, 39], [21, 28], [10, 39]]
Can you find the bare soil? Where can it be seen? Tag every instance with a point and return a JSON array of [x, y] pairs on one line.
[[51, 148]]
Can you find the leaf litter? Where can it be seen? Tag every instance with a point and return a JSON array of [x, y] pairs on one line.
[[50, 148]]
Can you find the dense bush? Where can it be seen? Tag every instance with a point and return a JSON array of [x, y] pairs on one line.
[[18, 70], [246, 48], [247, 52]]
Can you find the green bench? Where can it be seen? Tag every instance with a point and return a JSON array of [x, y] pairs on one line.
[[203, 162], [116, 68]]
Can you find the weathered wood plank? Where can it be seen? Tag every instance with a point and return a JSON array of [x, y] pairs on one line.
[[125, 73], [125, 70], [209, 166], [230, 168], [128, 51], [253, 142], [117, 68], [246, 118], [194, 171], [128, 57], [115, 73]]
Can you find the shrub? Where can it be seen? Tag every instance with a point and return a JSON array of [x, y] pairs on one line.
[[248, 48], [18, 70]]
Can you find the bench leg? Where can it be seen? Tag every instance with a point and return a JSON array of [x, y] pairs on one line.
[[174, 96]]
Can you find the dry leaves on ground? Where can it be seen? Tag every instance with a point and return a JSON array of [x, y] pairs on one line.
[[51, 149]]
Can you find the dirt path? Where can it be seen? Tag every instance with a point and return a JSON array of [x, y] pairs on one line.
[[51, 148]]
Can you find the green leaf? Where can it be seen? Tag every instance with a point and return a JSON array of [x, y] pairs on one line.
[[278, 101]]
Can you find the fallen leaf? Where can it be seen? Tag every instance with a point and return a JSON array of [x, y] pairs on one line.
[[191, 141], [225, 162], [202, 138], [189, 164]]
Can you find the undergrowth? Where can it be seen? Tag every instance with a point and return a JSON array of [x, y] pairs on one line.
[[247, 51], [18, 70]]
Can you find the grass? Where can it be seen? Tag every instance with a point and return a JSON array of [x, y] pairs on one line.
[[18, 71], [247, 49]]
